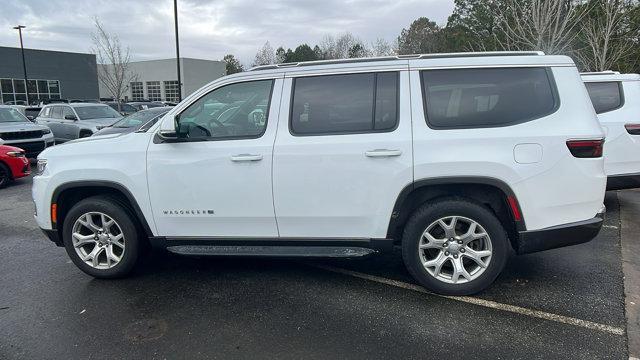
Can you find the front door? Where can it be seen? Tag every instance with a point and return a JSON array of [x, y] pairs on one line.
[[215, 180]]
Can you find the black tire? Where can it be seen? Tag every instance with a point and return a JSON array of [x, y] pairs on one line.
[[5, 175], [124, 219], [431, 212]]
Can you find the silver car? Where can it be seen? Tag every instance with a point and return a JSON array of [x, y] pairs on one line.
[[16, 130], [76, 120]]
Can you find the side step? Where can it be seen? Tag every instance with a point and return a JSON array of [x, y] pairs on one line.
[[272, 251]]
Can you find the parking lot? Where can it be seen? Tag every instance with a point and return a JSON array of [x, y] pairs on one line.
[[565, 303]]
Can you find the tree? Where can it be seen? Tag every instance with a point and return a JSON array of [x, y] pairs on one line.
[[422, 37], [303, 52], [265, 56], [281, 56], [473, 26], [358, 50], [381, 48], [606, 34], [232, 64], [114, 63], [340, 47], [545, 25]]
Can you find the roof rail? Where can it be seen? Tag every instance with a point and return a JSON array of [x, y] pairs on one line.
[[397, 57], [607, 72]]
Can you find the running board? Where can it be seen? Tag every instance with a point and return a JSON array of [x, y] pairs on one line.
[[272, 251]]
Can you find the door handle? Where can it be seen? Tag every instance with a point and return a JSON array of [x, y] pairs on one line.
[[246, 157], [383, 153]]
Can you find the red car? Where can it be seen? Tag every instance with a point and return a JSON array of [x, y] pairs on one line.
[[13, 164]]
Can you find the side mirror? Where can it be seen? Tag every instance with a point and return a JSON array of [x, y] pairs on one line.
[[168, 131], [70, 117]]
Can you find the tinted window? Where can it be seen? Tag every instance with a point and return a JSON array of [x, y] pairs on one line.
[[96, 112], [56, 112], [605, 96], [232, 111], [468, 98], [336, 104]]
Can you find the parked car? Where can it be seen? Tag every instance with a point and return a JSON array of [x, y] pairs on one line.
[[125, 108], [456, 158], [17, 130], [142, 119], [76, 120], [613, 96], [143, 105], [13, 164], [30, 112]]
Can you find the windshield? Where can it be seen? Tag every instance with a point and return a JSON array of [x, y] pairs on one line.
[[137, 119], [96, 112], [11, 115]]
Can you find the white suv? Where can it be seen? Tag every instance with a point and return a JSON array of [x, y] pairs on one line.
[[614, 98], [457, 158]]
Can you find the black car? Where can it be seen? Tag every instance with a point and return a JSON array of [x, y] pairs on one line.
[[143, 105], [125, 109], [135, 122]]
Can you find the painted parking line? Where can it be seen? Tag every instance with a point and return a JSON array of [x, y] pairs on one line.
[[480, 302]]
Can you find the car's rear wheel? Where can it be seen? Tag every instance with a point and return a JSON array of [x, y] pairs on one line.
[[100, 237], [5, 175], [454, 246]]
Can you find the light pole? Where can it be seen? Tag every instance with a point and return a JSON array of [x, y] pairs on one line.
[[175, 16], [24, 64]]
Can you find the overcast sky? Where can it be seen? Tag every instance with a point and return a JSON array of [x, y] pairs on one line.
[[209, 28]]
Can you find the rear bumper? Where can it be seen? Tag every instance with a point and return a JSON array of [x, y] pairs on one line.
[[559, 236], [620, 182]]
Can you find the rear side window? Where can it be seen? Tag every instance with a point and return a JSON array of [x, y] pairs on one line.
[[343, 104], [473, 98], [605, 96]]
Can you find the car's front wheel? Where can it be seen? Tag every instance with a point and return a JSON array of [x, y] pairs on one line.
[[454, 246], [101, 238]]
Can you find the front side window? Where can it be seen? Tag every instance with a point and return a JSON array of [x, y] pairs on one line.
[[11, 115], [56, 112], [96, 112], [472, 98], [67, 112], [232, 111], [343, 104], [605, 96]]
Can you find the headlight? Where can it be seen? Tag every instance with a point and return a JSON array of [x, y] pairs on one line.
[[42, 164], [46, 131], [15, 153]]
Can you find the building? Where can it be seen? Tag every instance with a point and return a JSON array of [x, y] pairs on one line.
[[50, 74], [157, 80]]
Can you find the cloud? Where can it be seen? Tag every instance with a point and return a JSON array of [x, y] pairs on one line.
[[209, 29]]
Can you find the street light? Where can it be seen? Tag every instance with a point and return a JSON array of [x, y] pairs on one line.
[[24, 64], [175, 16]]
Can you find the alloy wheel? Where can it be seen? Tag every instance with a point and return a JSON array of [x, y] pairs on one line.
[[98, 240], [455, 249]]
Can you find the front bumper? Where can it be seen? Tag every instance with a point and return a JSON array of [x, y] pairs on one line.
[[54, 236], [560, 235], [621, 182]]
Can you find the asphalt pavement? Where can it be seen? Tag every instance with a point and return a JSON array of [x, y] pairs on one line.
[[561, 304]]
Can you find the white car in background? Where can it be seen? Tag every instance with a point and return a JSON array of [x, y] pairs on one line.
[[16, 130], [616, 99]]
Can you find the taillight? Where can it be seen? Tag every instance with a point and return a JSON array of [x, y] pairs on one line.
[[633, 129], [586, 148]]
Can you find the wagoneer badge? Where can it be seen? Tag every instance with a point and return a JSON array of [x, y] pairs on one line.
[[187, 212]]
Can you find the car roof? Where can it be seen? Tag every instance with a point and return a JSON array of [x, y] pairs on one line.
[[608, 76], [86, 104]]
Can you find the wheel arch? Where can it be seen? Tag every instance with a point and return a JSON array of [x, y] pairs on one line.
[[491, 192], [68, 194]]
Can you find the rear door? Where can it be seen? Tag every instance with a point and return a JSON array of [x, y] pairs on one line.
[[343, 153], [55, 123]]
